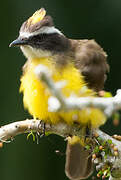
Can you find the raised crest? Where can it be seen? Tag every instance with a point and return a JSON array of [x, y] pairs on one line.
[[37, 16]]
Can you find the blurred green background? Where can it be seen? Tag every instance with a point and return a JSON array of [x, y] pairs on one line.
[[98, 19]]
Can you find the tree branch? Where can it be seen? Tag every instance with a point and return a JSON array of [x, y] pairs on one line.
[[13, 129], [62, 129], [58, 102]]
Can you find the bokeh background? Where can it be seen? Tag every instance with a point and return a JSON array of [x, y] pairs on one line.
[[101, 20]]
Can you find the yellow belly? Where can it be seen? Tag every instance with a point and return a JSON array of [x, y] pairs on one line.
[[36, 94]]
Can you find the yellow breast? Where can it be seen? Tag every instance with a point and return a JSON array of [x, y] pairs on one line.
[[36, 94]]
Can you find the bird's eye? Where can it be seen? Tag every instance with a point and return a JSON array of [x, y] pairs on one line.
[[23, 38]]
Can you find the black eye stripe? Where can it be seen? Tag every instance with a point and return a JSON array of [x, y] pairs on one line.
[[39, 37], [53, 42]]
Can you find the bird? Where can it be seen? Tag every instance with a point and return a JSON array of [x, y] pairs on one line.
[[82, 64]]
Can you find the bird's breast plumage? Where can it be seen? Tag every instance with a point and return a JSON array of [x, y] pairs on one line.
[[36, 93]]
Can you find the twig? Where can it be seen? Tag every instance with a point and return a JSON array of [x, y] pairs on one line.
[[116, 161], [105, 136], [58, 102]]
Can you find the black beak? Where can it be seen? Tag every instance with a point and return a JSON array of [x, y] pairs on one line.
[[18, 42]]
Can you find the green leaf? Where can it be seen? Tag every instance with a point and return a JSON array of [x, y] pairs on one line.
[[100, 172], [108, 174], [87, 147], [104, 143], [109, 141], [99, 139], [105, 156], [96, 149]]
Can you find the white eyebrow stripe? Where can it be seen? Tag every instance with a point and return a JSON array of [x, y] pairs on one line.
[[43, 30]]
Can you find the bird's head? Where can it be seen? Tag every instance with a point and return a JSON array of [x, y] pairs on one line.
[[39, 38]]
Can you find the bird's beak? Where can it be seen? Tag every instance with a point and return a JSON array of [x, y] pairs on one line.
[[18, 42]]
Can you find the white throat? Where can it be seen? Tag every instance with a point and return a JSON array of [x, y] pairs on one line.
[[31, 53]]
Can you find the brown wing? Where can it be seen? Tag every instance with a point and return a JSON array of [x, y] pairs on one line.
[[90, 59]]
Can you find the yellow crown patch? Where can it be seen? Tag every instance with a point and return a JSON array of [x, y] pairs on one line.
[[37, 16]]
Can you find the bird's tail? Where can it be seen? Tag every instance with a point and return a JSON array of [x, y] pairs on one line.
[[79, 163]]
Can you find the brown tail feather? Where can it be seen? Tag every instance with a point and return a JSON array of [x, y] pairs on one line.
[[78, 162]]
